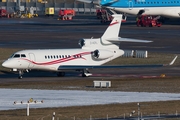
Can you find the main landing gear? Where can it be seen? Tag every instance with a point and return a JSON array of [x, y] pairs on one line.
[[60, 74], [86, 73]]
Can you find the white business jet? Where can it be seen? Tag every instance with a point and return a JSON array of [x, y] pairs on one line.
[[92, 54]]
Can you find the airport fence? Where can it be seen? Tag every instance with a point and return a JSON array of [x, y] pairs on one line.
[[125, 116], [39, 8]]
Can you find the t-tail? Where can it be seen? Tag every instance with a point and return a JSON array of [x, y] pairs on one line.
[[113, 30], [111, 35]]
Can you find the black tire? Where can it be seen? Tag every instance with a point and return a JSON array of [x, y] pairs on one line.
[[60, 74], [20, 77], [150, 25], [83, 75]]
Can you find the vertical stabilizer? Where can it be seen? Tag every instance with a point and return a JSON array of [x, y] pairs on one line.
[[113, 30]]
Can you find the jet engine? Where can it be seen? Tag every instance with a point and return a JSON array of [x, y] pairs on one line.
[[102, 54]]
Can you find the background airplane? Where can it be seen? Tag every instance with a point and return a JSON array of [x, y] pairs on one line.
[[92, 54], [165, 8]]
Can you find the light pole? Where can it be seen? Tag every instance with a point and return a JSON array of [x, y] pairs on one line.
[[28, 102], [138, 109]]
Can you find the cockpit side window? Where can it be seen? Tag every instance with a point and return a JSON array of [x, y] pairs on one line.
[[16, 56], [12, 56], [23, 55]]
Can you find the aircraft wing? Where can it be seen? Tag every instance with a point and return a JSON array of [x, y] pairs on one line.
[[110, 3], [79, 67]]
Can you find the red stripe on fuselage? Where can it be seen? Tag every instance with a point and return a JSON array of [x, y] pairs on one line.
[[59, 60]]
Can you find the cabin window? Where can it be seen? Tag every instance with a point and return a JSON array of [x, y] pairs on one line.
[[54, 56], [80, 56], [171, 1], [62, 56], [45, 57], [174, 1], [151, 2], [177, 1], [168, 2], [17, 56], [51, 56], [138, 2], [69, 56], [66, 56], [141, 2], [74, 56], [158, 2], [23, 55], [59, 56]]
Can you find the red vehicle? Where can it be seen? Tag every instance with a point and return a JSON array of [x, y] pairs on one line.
[[100, 12], [3, 13], [146, 20], [105, 16], [66, 14]]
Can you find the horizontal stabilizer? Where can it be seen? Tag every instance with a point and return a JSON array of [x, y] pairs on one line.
[[119, 39], [85, 1]]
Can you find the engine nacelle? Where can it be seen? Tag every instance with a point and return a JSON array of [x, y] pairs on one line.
[[81, 42], [102, 54], [89, 43]]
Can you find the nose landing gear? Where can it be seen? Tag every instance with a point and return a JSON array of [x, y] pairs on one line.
[[20, 74]]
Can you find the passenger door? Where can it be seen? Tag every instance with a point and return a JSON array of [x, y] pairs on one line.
[[130, 4], [32, 59]]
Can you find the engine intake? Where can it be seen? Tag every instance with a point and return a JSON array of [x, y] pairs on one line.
[[81, 42], [102, 54]]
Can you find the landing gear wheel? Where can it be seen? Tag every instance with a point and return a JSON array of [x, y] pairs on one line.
[[20, 77], [20, 74], [86, 73], [83, 75], [61, 74], [150, 25]]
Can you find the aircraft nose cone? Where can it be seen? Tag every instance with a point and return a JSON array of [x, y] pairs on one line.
[[4, 64]]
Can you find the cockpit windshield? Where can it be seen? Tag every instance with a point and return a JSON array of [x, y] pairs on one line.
[[18, 56]]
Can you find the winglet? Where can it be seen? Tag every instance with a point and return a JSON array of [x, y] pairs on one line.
[[172, 62]]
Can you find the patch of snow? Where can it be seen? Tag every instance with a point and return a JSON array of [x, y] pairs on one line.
[[62, 98]]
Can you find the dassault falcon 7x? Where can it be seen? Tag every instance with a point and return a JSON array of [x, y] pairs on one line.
[[92, 54]]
